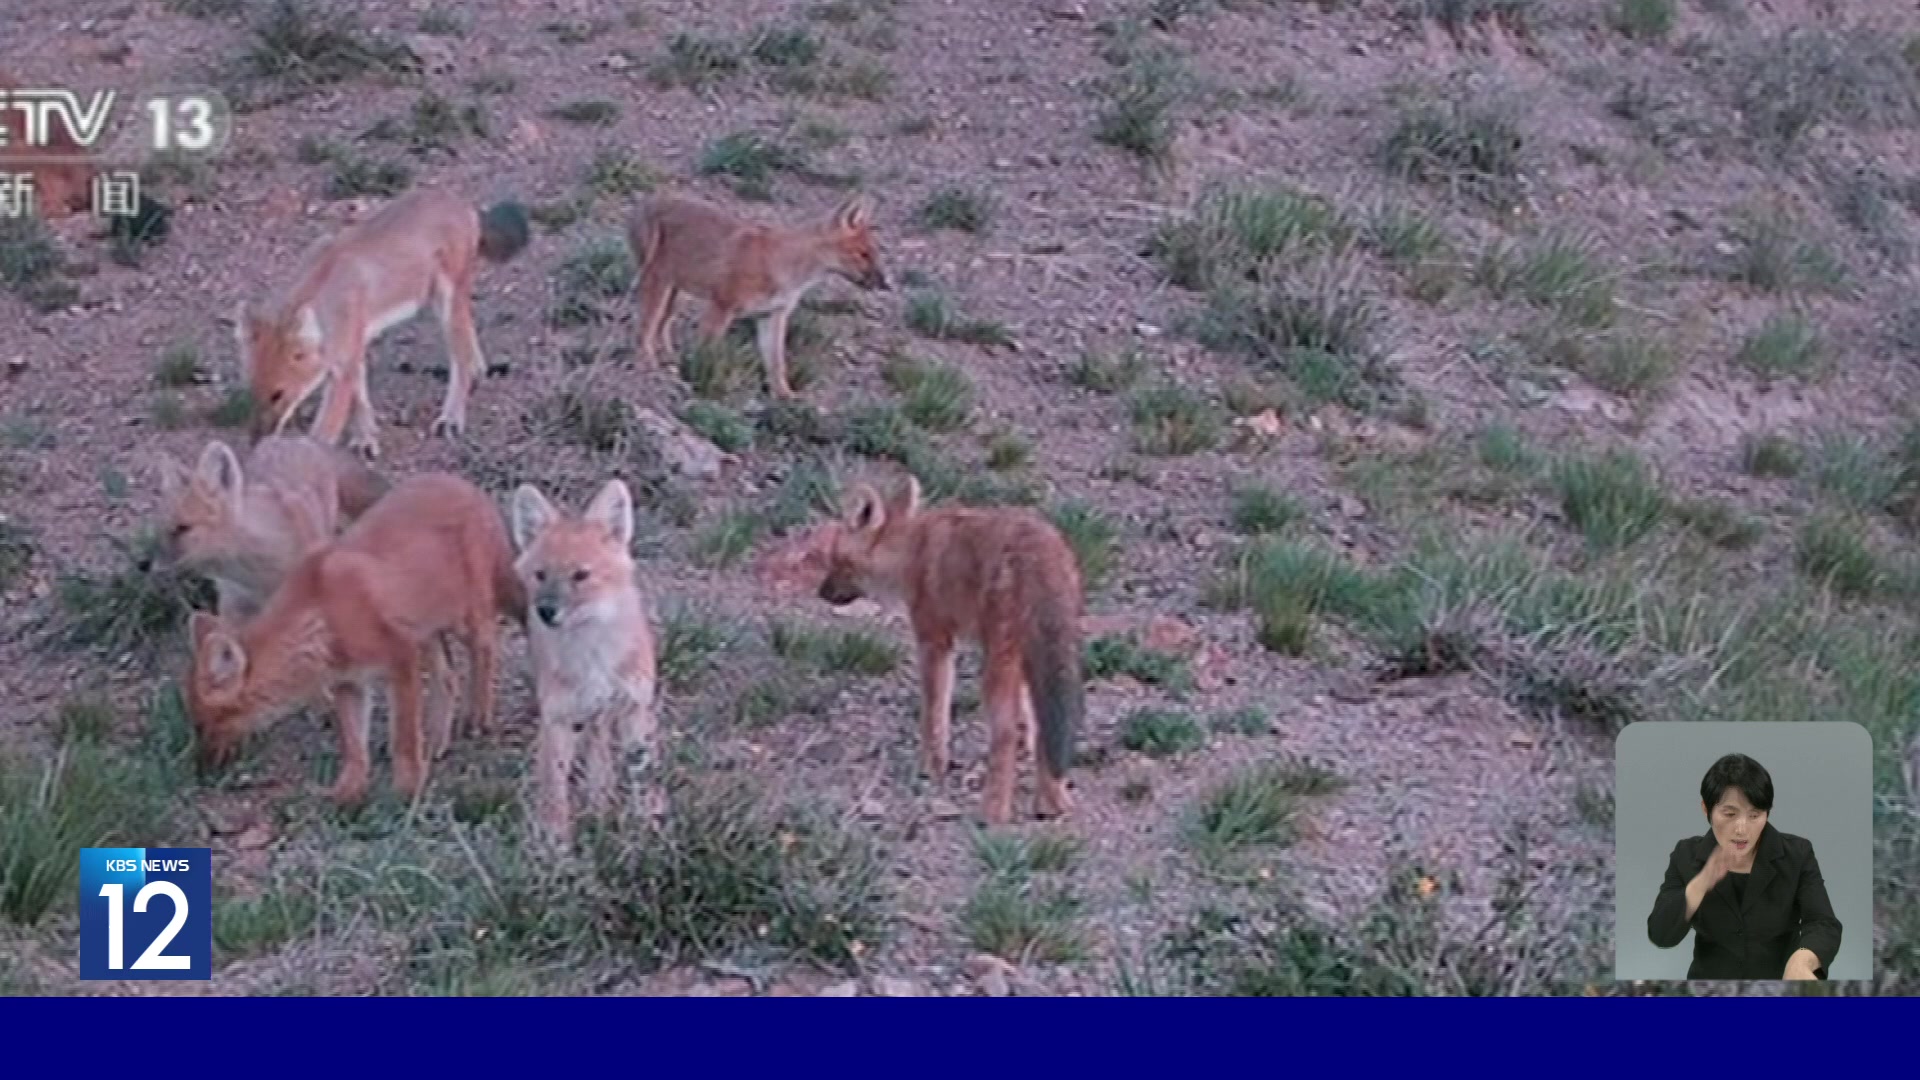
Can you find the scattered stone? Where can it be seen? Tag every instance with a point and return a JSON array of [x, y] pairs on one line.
[[681, 450], [722, 988], [872, 808], [435, 56], [862, 608], [944, 809], [849, 988], [1265, 422], [894, 987], [1521, 740], [1068, 10], [254, 837], [16, 366], [527, 135]]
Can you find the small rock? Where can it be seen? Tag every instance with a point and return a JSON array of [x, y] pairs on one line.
[[527, 135], [617, 62], [862, 608], [1168, 634], [944, 809], [683, 451], [1003, 163], [1352, 507], [1521, 740], [872, 808], [435, 56], [1072, 12], [1265, 422], [994, 984], [1146, 329], [894, 987], [848, 988], [254, 837], [722, 988], [980, 965], [16, 365]]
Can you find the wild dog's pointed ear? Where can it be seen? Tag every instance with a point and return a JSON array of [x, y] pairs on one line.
[[612, 510], [199, 625], [529, 514], [173, 475], [224, 661], [307, 327], [865, 510], [854, 213], [219, 470], [906, 499]]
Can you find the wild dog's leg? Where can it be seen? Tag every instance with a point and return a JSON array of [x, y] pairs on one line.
[[601, 731], [773, 351], [336, 404], [483, 652], [654, 296], [440, 696], [1049, 791], [936, 702], [366, 426], [404, 732], [350, 716], [553, 766], [453, 295], [664, 340], [715, 321], [1001, 695]]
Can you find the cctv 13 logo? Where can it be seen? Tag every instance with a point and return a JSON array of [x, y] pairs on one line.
[[146, 913]]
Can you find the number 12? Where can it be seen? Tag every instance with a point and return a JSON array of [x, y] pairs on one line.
[[153, 959]]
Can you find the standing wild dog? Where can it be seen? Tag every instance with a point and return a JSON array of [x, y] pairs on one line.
[[1000, 576], [431, 557], [422, 248], [593, 654], [742, 269], [244, 529]]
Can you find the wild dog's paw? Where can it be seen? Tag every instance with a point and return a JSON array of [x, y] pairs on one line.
[[366, 444], [449, 427]]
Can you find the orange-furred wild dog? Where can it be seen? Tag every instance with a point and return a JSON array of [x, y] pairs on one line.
[[742, 269], [423, 248], [593, 648], [244, 529], [1000, 576], [431, 557]]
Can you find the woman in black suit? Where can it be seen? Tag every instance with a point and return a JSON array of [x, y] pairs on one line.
[[1752, 894]]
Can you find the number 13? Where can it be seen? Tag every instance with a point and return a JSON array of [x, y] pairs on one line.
[[153, 959], [198, 133]]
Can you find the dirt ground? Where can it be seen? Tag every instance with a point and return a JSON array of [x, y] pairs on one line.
[[1643, 146]]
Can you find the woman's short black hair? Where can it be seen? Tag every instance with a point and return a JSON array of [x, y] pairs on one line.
[[1737, 771]]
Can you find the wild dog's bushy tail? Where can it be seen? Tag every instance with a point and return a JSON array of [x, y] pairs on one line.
[[504, 231], [1051, 655]]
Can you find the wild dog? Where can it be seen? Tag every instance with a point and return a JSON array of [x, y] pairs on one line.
[[244, 529], [422, 248], [431, 557], [742, 269], [593, 648], [1002, 577]]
